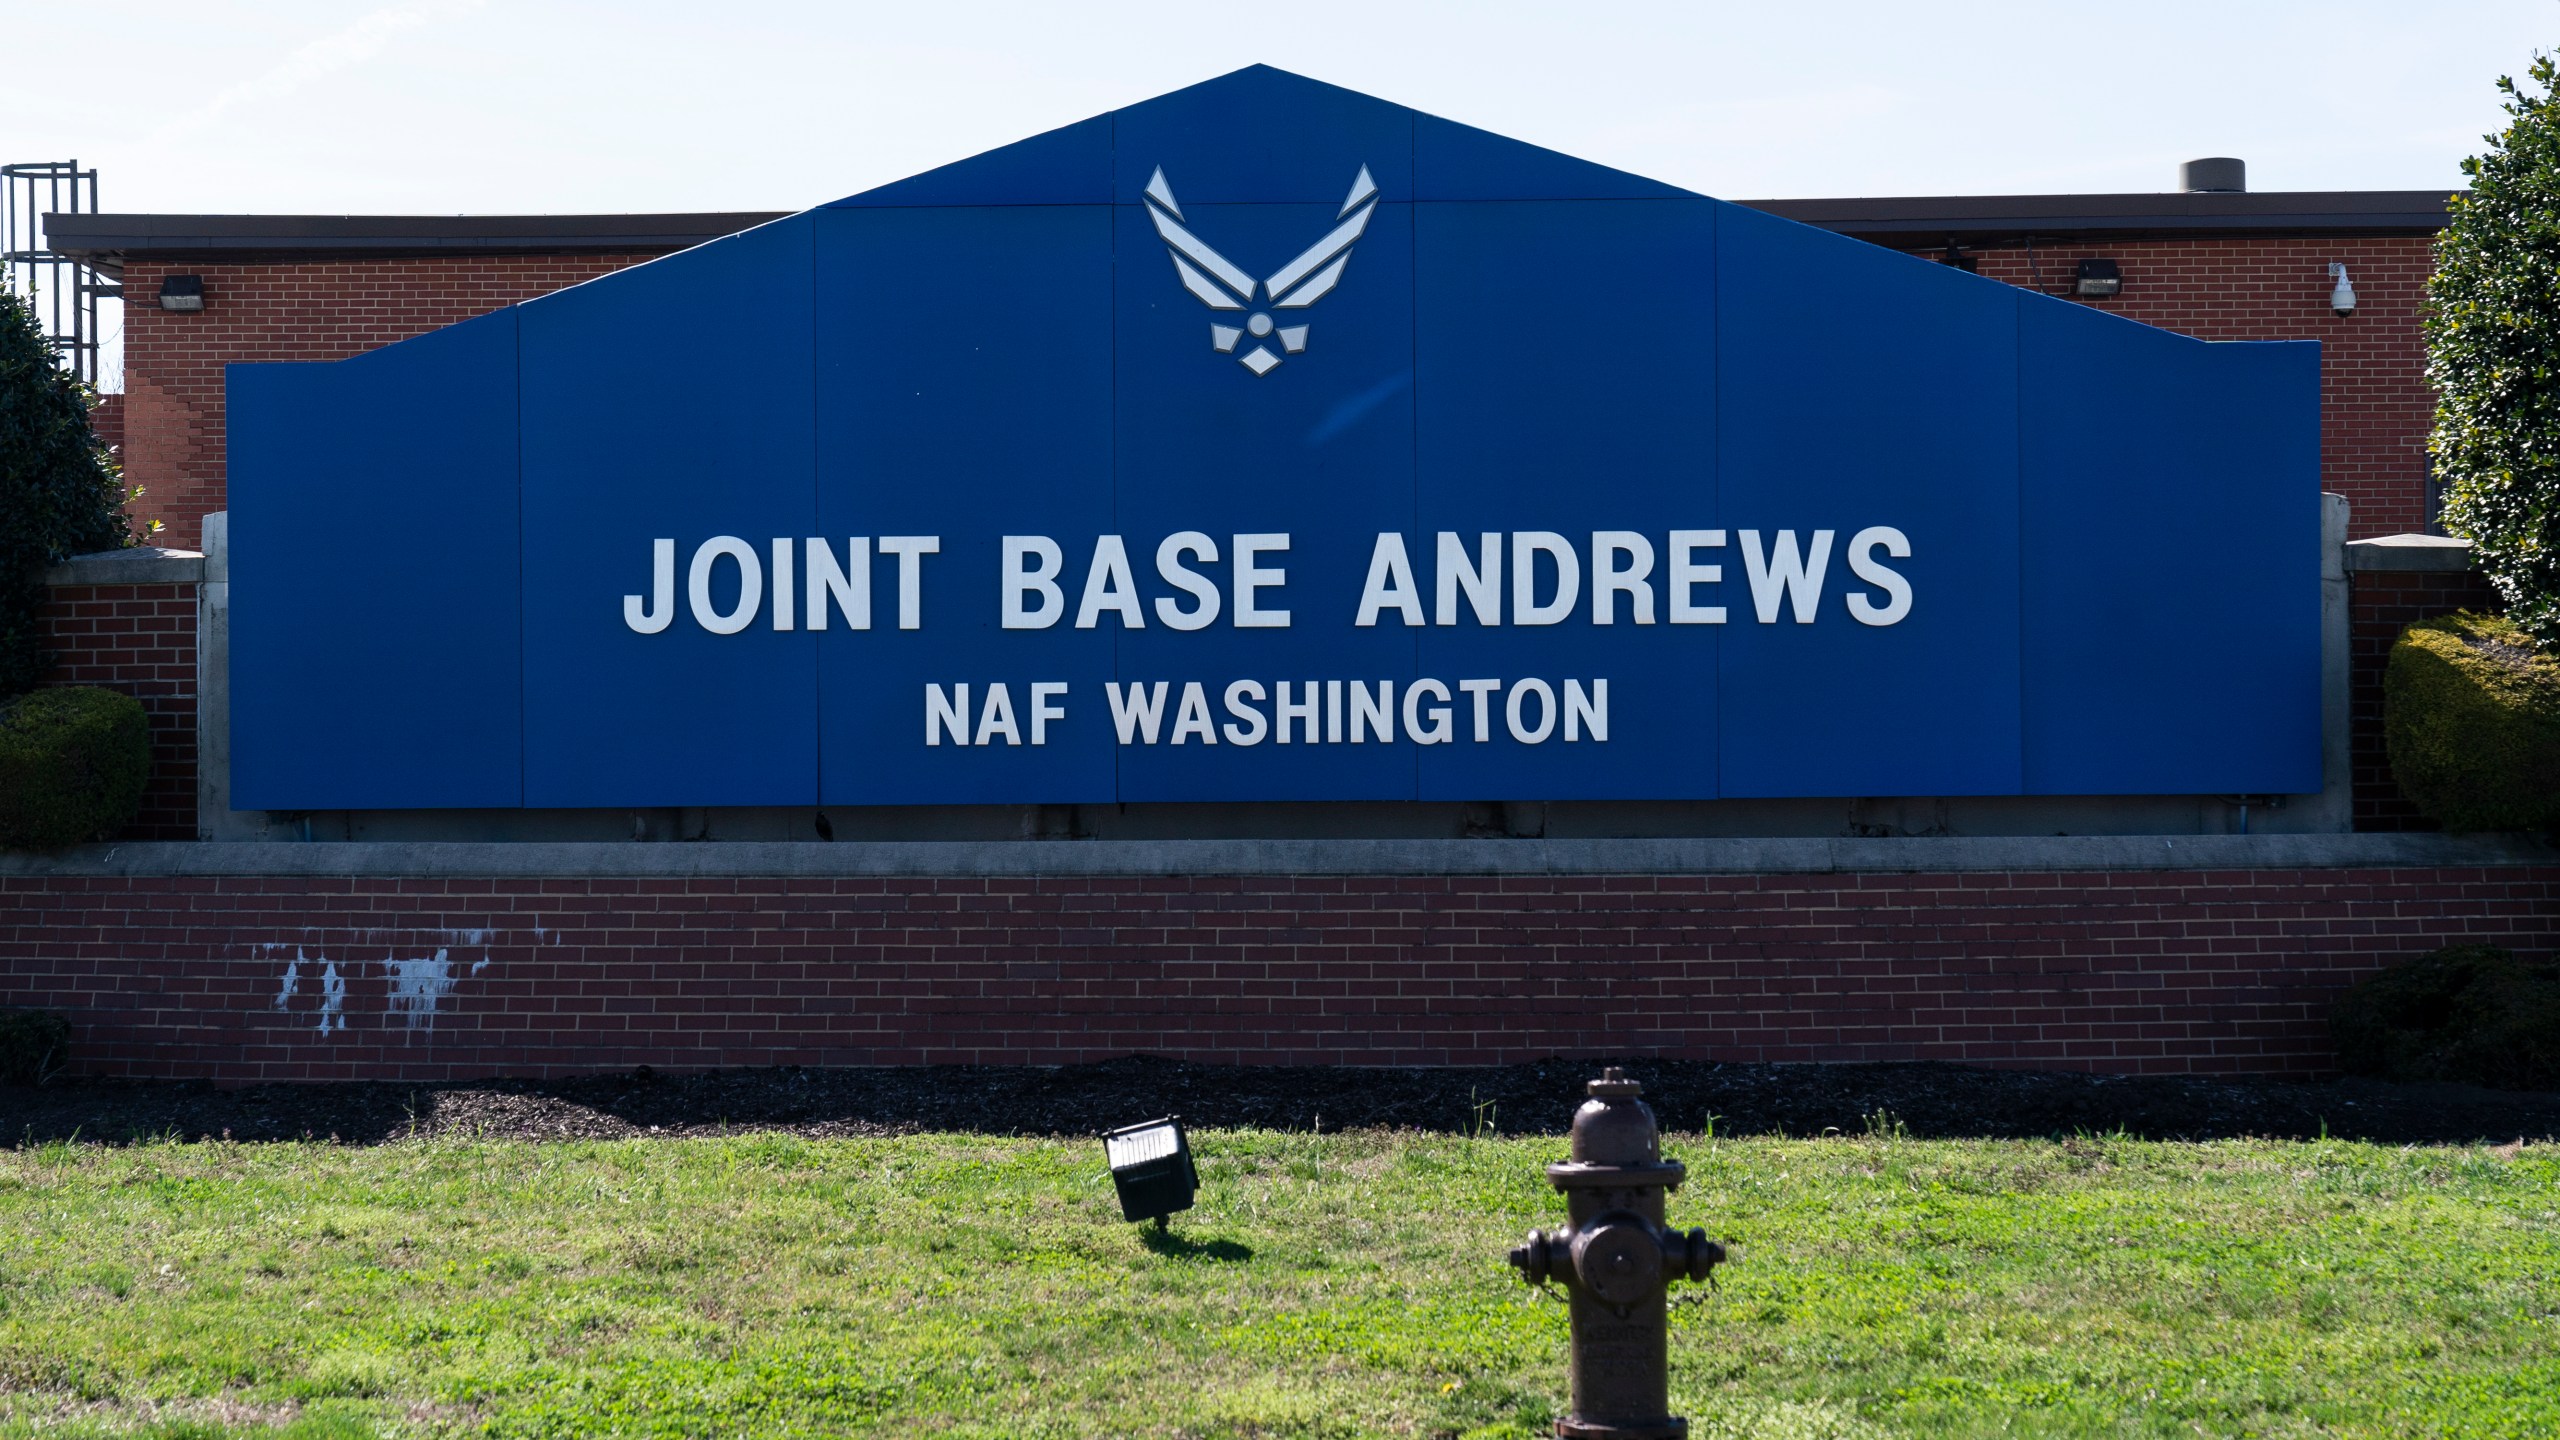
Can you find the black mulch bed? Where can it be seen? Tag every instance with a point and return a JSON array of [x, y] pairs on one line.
[[1928, 1100]]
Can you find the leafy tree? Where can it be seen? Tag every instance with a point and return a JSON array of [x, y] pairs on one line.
[[2493, 334], [59, 491]]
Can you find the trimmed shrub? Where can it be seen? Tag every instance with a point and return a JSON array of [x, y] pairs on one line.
[[2470, 1013], [72, 765], [34, 1046], [2471, 714]]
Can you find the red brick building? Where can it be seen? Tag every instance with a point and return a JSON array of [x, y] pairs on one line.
[[2228, 266], [2220, 265], [316, 288], [2216, 265]]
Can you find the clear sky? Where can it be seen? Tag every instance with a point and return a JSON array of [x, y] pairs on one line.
[[570, 106], [456, 106]]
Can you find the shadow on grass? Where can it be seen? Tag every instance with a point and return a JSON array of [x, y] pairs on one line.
[[1174, 1245], [1922, 1100]]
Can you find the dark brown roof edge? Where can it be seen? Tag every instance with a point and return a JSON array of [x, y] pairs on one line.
[[108, 241], [1990, 219]]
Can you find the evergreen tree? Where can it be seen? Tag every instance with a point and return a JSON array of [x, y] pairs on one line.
[[2493, 337], [59, 491]]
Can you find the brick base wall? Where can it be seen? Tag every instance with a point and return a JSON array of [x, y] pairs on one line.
[[429, 979], [2383, 603], [140, 639]]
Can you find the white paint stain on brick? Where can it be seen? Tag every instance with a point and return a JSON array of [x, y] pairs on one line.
[[418, 986], [333, 987], [333, 999]]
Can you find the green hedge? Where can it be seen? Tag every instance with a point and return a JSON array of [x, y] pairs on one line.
[[59, 492], [34, 1046], [2472, 1013], [72, 765], [2492, 321], [2471, 713]]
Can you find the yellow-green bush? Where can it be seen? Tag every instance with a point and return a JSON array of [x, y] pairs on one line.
[[72, 766], [2471, 712]]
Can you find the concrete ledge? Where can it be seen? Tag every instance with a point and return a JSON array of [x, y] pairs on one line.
[[791, 859], [2409, 552], [140, 565]]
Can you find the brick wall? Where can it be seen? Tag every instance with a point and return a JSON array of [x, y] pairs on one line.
[[2154, 972], [107, 419], [2375, 407], [140, 639], [2383, 603], [173, 411]]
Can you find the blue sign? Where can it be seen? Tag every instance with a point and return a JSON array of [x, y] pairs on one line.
[[1267, 441]]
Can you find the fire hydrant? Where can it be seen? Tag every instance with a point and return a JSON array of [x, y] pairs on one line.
[[1616, 1261]]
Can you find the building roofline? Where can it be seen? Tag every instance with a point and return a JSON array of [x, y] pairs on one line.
[[1918, 220], [108, 241]]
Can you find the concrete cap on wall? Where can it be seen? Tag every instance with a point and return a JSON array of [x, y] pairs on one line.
[[136, 565], [2409, 552]]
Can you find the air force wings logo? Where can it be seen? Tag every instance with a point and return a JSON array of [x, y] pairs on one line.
[[1300, 283]]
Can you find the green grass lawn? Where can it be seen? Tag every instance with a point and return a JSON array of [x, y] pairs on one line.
[[1335, 1285]]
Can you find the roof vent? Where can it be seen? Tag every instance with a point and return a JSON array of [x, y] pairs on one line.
[[2219, 172]]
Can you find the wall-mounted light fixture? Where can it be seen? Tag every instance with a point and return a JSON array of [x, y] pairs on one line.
[[1955, 256], [183, 294], [2342, 296], [2098, 280]]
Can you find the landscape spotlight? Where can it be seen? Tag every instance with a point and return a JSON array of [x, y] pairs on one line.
[[1151, 1168], [182, 293], [2099, 280], [2342, 296]]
